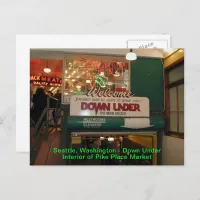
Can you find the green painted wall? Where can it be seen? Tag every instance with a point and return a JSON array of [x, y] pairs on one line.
[[147, 80]]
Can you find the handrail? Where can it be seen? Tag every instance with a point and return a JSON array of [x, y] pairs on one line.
[[52, 98], [42, 123]]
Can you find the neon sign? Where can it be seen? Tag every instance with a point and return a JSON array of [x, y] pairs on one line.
[[46, 81]]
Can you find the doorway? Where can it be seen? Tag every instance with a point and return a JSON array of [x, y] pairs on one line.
[[131, 140]]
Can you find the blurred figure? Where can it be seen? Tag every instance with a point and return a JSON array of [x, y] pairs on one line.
[[58, 96], [39, 102], [49, 93]]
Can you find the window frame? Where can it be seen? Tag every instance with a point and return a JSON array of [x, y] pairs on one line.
[[168, 86]]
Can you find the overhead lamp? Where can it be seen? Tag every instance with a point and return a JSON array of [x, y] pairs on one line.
[[87, 81], [131, 55], [46, 69], [102, 138], [111, 139]]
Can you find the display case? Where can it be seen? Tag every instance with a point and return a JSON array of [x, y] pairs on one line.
[[80, 73]]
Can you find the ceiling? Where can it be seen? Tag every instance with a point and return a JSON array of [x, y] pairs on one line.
[[161, 53], [39, 57], [37, 67]]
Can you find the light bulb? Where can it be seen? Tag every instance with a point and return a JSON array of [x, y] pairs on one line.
[[47, 70], [73, 80], [111, 139], [131, 56], [102, 74]]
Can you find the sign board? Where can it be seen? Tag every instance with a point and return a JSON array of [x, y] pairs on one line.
[[66, 99], [109, 104], [112, 124], [46, 81]]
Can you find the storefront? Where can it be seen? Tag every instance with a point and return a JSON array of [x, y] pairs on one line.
[[107, 97], [48, 80]]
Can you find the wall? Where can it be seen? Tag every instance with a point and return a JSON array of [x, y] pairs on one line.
[[42, 54], [173, 151]]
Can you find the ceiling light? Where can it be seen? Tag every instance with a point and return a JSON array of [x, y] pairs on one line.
[[66, 71], [47, 70], [66, 93], [131, 56], [87, 81], [102, 138], [111, 139], [73, 80], [78, 86], [77, 76]]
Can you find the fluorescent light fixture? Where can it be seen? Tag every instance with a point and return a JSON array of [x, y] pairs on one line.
[[131, 55], [111, 139]]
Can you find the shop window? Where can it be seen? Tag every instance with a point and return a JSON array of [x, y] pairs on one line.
[[176, 74], [175, 100], [81, 75]]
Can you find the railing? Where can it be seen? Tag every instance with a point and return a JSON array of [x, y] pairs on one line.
[[41, 123]]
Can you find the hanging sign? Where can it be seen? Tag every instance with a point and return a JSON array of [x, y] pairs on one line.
[[46, 81], [106, 103]]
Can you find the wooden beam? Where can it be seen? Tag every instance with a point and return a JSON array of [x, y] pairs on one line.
[[173, 59]]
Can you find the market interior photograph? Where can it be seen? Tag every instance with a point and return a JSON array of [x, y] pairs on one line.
[[113, 106]]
